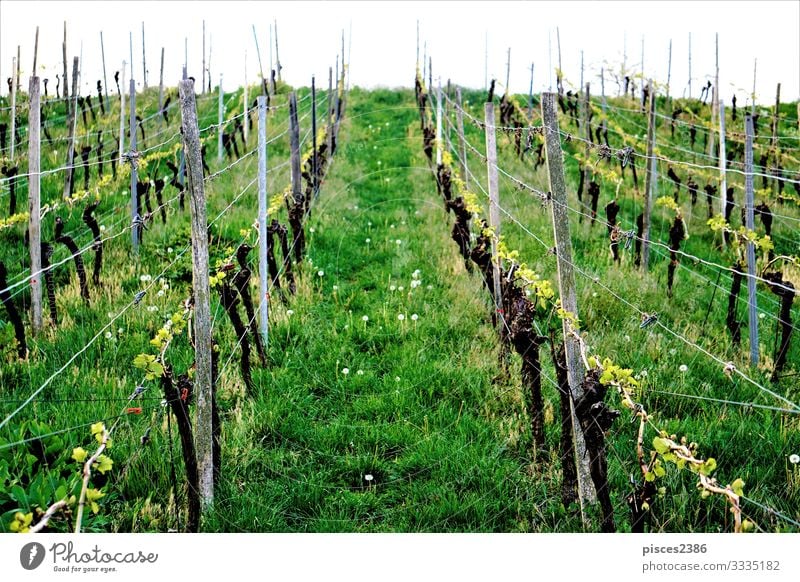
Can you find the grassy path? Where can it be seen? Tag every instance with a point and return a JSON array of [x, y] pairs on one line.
[[379, 412]]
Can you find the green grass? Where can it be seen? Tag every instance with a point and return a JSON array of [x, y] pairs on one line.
[[443, 434]]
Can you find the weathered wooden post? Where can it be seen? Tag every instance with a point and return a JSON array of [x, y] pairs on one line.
[[135, 219], [566, 286], [201, 290], [34, 203]]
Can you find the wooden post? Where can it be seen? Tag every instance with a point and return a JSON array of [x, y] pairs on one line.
[[566, 286], [203, 81], [649, 186], [508, 72], [200, 286], [714, 108], [294, 141], [494, 207], [208, 65], [263, 203], [530, 96], [144, 61], [122, 115], [13, 107], [751, 249], [775, 117], [220, 114], [587, 135], [328, 116], [35, 52], [161, 90], [314, 184], [277, 55], [73, 122], [723, 182], [462, 146], [690, 65], [64, 76], [643, 75], [560, 69], [669, 68], [439, 125], [245, 104], [34, 202], [134, 173], [105, 79]]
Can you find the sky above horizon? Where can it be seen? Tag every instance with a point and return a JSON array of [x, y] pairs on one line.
[[382, 46]]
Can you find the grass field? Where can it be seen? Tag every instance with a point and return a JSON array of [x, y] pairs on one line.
[[384, 406]]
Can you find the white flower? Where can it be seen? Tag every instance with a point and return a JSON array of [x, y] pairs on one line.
[[109, 335], [169, 250], [414, 317], [392, 287], [397, 378], [429, 287], [380, 163], [355, 207], [416, 274], [369, 240], [365, 318], [400, 288], [110, 315], [289, 312], [369, 224], [320, 273], [387, 124], [145, 278], [415, 284], [311, 230], [368, 477], [400, 316], [386, 179], [673, 351], [360, 372], [627, 338], [391, 226], [152, 308], [683, 368], [335, 287], [374, 147], [160, 293], [398, 242], [643, 373], [762, 315], [594, 294], [794, 458], [102, 228], [345, 371]]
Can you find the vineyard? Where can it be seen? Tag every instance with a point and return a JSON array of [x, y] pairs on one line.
[[331, 309]]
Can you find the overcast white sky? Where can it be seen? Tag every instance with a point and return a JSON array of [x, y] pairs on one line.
[[384, 40]]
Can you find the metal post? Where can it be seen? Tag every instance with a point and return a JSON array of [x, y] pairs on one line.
[[649, 177], [328, 121], [134, 173], [220, 114], [669, 68], [566, 286], [753, 101], [203, 82], [723, 183], [260, 67], [494, 206], [263, 203], [34, 203], [752, 305], [508, 72], [200, 287], [277, 55]]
